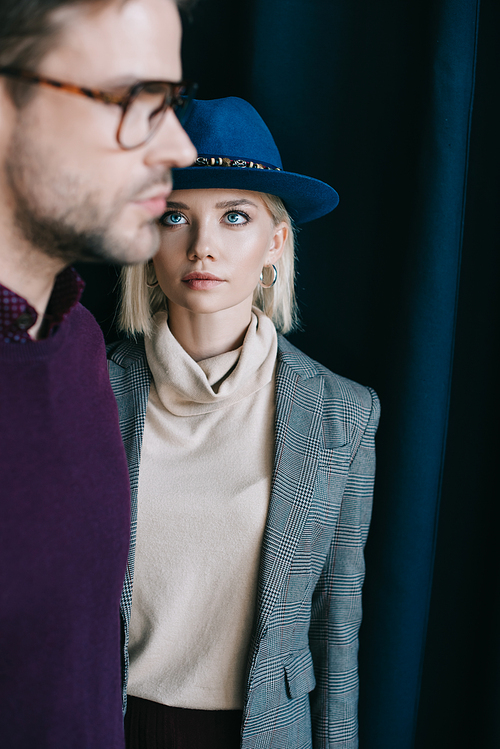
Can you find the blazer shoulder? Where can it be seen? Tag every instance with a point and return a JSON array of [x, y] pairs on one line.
[[335, 386], [126, 353], [342, 398]]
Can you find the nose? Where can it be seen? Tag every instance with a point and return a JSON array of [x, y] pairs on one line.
[[201, 246], [170, 145]]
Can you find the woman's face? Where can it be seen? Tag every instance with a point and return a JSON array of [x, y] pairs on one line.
[[214, 244]]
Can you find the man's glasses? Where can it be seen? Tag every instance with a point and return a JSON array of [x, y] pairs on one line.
[[143, 106]]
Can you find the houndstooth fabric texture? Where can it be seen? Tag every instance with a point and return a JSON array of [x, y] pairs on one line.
[[302, 674]]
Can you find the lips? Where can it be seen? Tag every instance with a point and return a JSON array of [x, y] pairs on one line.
[[155, 203], [201, 281]]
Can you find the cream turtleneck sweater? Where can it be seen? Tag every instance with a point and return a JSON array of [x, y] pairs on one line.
[[204, 485]]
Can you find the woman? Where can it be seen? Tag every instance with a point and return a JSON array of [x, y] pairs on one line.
[[251, 467]]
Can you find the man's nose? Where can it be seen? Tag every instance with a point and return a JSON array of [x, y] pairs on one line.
[[171, 144]]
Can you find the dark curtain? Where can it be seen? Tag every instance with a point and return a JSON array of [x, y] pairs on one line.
[[396, 105]]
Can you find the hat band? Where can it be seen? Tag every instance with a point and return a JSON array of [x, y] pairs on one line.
[[238, 163]]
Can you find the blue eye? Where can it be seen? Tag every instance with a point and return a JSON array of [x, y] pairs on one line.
[[236, 218], [172, 219]]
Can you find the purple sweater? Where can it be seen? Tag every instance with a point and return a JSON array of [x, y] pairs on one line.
[[64, 533]]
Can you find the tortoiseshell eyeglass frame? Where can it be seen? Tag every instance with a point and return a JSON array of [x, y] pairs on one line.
[[178, 96]]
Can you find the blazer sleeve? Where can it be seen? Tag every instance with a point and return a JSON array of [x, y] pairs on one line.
[[336, 604]]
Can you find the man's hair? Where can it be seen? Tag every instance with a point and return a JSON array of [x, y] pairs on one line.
[[28, 30], [139, 302]]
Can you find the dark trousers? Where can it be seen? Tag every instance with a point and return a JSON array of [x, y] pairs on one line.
[[149, 725]]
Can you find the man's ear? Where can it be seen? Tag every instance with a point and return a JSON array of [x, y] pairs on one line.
[[8, 114]]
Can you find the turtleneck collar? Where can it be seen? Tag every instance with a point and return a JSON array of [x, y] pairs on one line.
[[189, 388]]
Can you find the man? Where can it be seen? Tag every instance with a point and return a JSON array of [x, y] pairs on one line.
[[85, 169]]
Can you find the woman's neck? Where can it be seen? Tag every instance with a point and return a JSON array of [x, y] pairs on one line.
[[209, 334]]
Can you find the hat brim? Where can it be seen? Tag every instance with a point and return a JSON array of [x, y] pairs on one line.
[[305, 198]]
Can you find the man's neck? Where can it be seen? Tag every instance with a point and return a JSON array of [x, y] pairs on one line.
[[29, 273]]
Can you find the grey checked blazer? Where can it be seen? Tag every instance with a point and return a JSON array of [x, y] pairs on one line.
[[302, 677]]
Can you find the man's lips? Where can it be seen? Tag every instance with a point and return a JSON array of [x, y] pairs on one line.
[[154, 203], [201, 281]]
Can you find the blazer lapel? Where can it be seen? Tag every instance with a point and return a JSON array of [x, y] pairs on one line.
[[131, 379], [298, 441]]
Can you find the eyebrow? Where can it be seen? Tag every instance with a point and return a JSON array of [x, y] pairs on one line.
[[172, 204], [120, 83], [178, 206], [127, 81], [235, 203]]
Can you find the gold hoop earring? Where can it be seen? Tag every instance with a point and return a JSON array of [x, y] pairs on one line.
[[152, 285], [268, 285]]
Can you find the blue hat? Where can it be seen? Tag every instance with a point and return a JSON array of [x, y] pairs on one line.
[[237, 151]]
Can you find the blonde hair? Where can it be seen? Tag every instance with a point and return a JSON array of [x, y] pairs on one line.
[[139, 302]]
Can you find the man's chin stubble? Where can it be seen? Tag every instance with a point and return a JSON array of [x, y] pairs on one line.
[[58, 239], [81, 233]]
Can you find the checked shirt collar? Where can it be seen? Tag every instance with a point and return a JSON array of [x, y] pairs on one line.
[[17, 316]]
